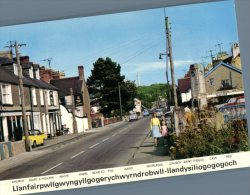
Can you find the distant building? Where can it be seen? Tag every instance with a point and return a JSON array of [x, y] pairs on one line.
[[48, 74]]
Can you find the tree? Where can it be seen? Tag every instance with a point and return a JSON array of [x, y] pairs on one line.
[[103, 86]]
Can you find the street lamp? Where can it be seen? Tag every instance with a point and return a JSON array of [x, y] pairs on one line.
[[160, 58]]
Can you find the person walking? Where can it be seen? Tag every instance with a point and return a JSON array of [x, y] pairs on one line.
[[155, 127]]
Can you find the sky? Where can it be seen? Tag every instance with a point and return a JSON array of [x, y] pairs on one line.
[[132, 39]]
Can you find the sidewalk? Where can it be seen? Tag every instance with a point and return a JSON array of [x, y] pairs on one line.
[[41, 150], [148, 153]]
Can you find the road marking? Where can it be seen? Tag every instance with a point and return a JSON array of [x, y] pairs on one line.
[[94, 145], [51, 168], [114, 135], [77, 154], [105, 139]]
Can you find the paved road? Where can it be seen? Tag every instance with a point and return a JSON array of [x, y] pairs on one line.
[[109, 148]]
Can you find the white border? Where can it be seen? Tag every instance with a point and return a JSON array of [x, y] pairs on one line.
[[125, 174]]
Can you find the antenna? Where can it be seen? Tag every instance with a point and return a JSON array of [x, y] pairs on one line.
[[47, 60]]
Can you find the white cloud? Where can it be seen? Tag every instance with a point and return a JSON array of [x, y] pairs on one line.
[[149, 66]]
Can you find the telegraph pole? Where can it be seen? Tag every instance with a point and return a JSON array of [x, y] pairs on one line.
[[170, 55], [120, 100], [73, 111], [20, 81], [10, 46]]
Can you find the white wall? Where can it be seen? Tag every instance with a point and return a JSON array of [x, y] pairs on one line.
[[185, 97], [67, 118]]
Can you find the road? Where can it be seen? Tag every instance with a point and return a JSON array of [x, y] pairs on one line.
[[111, 147]]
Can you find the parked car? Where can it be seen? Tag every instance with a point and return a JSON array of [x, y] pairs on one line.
[[133, 116], [234, 110], [145, 113], [36, 137], [159, 113], [232, 100]]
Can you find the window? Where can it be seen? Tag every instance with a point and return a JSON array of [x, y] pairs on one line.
[[6, 94], [41, 97], [225, 83], [55, 98], [211, 81], [31, 72], [37, 74], [51, 97], [33, 90], [15, 69]]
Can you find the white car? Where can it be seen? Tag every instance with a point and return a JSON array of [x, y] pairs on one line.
[[133, 116]]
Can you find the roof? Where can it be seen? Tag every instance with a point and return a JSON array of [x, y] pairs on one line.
[[65, 84], [7, 76], [223, 64], [40, 83], [184, 84], [5, 60]]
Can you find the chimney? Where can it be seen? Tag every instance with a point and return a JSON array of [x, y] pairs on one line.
[[81, 72], [235, 49]]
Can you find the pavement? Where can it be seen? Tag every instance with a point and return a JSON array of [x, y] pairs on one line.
[[149, 153]]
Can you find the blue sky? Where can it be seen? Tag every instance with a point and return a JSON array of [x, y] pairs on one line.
[[133, 39]]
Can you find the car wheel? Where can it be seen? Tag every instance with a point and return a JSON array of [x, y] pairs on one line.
[[34, 144]]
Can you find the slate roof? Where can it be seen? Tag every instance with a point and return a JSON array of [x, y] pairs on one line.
[[7, 76], [65, 84], [184, 84]]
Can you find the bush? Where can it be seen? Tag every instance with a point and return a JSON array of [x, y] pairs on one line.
[[206, 140]]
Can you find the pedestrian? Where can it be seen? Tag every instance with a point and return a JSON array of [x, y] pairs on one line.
[[155, 127], [164, 131]]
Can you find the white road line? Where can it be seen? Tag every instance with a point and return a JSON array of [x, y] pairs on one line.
[[94, 145], [114, 135], [105, 139], [51, 168], [77, 154]]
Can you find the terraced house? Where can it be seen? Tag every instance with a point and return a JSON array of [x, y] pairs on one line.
[[41, 101]]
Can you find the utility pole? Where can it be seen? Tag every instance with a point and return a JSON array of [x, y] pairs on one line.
[[20, 81], [170, 55], [73, 111], [10, 46], [120, 100]]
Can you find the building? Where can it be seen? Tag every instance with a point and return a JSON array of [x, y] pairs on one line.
[[184, 86], [81, 98], [41, 101], [223, 78]]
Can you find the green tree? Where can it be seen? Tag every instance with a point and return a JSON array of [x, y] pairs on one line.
[[103, 86]]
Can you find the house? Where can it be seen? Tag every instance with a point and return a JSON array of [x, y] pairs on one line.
[[184, 86], [41, 101], [81, 99], [223, 78]]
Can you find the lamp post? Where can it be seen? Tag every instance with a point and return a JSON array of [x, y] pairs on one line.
[[168, 88]]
